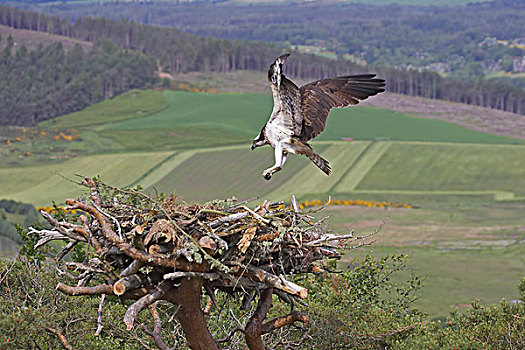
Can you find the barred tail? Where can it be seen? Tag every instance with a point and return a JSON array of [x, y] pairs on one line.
[[321, 163]]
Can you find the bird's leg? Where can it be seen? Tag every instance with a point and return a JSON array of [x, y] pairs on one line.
[[280, 158]]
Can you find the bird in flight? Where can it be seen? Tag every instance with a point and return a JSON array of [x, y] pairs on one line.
[[299, 114]]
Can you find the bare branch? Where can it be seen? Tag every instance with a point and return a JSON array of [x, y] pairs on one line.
[[230, 335], [254, 328], [148, 299], [205, 275], [279, 322], [99, 313], [60, 337], [97, 290], [271, 280], [157, 328]]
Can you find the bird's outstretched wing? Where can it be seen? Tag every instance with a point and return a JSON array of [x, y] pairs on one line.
[[286, 98], [319, 97]]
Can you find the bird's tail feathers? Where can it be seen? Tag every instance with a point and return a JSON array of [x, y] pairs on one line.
[[320, 162]]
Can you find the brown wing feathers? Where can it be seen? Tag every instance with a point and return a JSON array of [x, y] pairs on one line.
[[318, 97]]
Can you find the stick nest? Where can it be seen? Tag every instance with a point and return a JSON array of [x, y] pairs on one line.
[[140, 246]]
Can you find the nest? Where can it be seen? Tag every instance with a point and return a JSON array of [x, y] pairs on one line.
[[140, 245]]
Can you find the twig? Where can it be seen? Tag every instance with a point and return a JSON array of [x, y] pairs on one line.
[[205, 275], [230, 335], [330, 237], [157, 328], [99, 318], [255, 215], [60, 337], [112, 218], [279, 322]]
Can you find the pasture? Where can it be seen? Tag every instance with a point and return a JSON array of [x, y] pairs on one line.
[[468, 186]]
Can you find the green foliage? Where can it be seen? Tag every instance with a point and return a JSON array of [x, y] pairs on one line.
[[521, 288], [364, 306], [367, 306], [414, 39], [481, 327], [13, 213], [29, 304]]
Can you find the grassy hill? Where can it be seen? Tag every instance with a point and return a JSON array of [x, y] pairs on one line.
[[466, 235]]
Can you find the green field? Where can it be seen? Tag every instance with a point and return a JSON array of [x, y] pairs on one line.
[[469, 186]]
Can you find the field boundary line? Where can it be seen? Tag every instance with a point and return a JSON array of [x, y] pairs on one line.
[[152, 169], [365, 161], [164, 168]]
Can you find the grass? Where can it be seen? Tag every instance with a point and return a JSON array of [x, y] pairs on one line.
[[466, 252], [364, 123], [469, 186], [131, 105], [41, 185], [225, 173], [442, 167]]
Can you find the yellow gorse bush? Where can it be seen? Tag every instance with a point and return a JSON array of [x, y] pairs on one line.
[[347, 202], [318, 203]]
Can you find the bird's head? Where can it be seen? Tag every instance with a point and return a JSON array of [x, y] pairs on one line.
[[260, 140]]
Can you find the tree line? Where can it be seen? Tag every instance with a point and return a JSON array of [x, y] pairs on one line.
[[391, 34], [177, 51], [48, 82]]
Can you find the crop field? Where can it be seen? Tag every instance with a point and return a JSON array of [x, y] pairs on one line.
[[446, 167], [467, 186], [41, 185], [133, 104], [466, 251]]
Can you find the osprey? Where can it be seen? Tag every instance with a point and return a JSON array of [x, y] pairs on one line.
[[299, 114]]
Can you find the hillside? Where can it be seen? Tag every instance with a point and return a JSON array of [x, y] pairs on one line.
[[180, 52], [186, 133], [31, 39], [467, 185]]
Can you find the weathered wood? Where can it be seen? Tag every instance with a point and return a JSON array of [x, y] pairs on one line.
[[271, 280], [179, 274], [132, 268], [280, 322], [127, 283], [97, 290], [154, 295]]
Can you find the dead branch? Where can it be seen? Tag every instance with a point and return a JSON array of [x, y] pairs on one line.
[[60, 337], [279, 322], [97, 290], [142, 247], [157, 328], [148, 299], [271, 280], [127, 283], [205, 275], [230, 335], [99, 314]]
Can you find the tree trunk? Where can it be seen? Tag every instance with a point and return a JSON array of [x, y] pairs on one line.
[[188, 297], [254, 329]]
